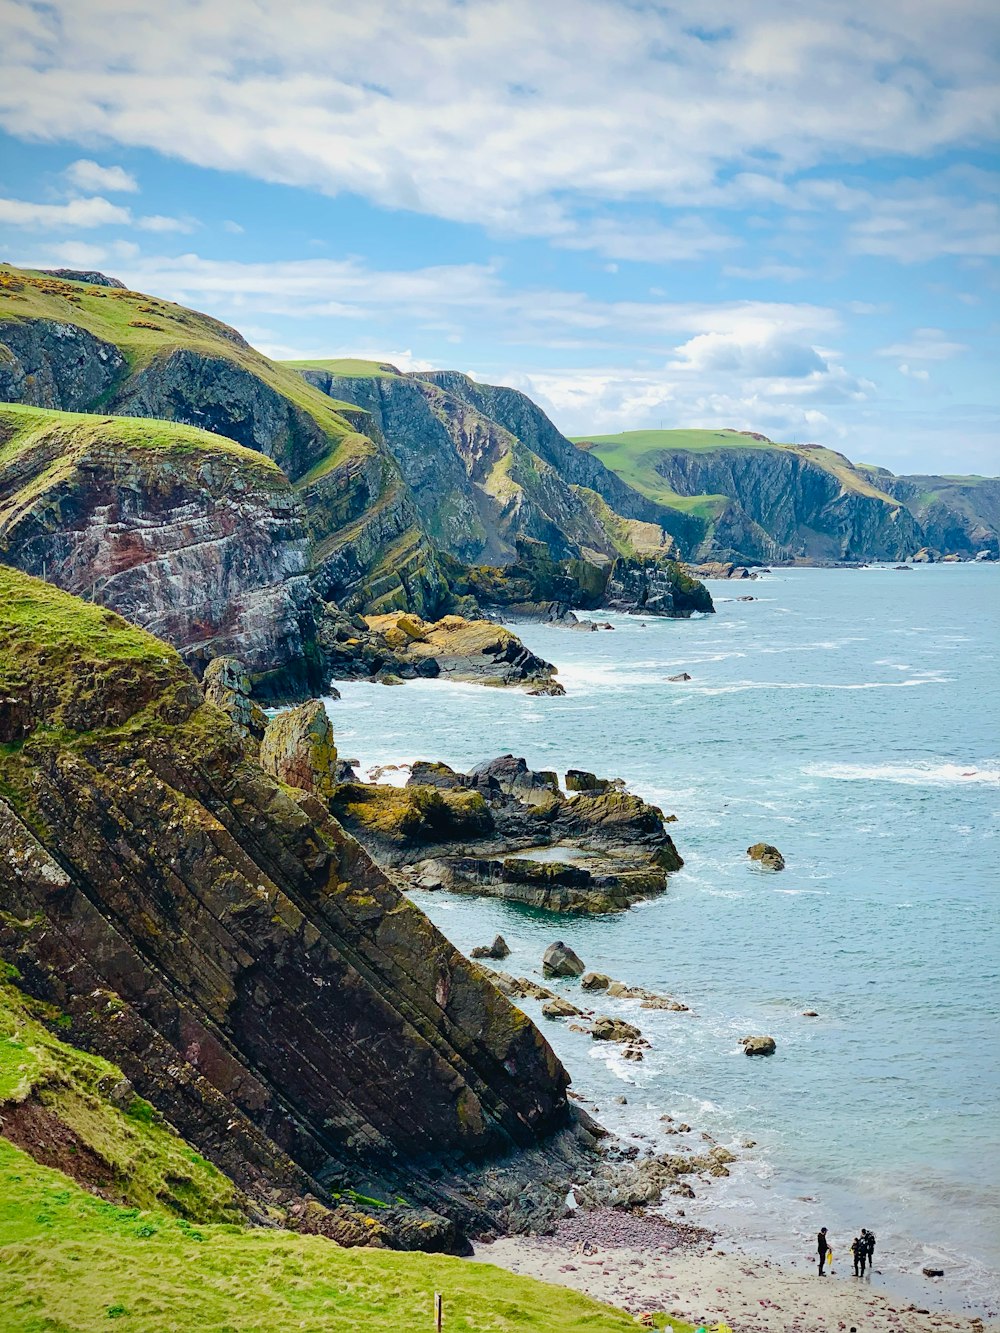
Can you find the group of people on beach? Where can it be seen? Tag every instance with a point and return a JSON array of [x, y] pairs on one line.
[[862, 1248]]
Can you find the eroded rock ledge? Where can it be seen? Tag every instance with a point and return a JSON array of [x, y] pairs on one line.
[[508, 832]]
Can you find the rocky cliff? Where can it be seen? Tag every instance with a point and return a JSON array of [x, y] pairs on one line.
[[235, 952], [955, 514], [764, 501], [479, 487], [183, 532], [73, 343]]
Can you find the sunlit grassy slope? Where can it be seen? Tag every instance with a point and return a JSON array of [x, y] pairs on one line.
[[635, 455], [71, 1263]]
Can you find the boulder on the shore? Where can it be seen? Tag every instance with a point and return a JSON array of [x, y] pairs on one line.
[[498, 949], [614, 1029], [594, 981], [560, 1008], [559, 960], [768, 856], [520, 988], [758, 1045]]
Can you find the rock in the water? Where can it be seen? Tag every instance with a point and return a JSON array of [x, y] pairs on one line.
[[614, 1029], [560, 1008], [298, 749], [559, 960], [595, 981], [498, 949], [464, 649], [768, 856], [758, 1045], [933, 1272], [682, 675], [809, 1013]]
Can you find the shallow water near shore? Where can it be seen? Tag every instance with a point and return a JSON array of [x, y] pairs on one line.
[[852, 718]]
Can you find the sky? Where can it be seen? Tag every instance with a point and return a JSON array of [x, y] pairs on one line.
[[768, 216]]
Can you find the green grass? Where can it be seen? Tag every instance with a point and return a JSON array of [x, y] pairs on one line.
[[122, 317], [23, 428], [71, 1263], [350, 366], [633, 455], [125, 1149]]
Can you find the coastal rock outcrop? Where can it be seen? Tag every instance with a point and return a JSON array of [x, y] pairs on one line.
[[767, 855], [614, 1030], [559, 960], [463, 649], [498, 949], [255, 976], [758, 1045], [298, 749], [506, 831]]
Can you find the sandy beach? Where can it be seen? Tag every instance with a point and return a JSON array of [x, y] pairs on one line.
[[643, 1263]]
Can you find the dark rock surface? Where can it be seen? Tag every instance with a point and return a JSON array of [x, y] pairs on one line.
[[253, 973], [559, 960]]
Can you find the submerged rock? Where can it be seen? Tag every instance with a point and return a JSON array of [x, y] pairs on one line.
[[559, 960], [768, 856], [681, 675]]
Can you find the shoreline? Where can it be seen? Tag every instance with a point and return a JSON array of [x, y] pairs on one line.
[[644, 1263]]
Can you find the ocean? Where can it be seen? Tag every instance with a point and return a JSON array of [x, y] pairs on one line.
[[851, 717]]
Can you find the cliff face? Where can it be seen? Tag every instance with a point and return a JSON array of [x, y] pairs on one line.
[[801, 506], [762, 501], [94, 347], [518, 414], [194, 538], [227, 944], [477, 485], [956, 514]]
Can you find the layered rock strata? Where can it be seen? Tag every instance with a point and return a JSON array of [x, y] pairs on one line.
[[235, 951], [505, 831]]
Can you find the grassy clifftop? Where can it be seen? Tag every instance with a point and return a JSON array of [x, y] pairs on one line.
[[635, 454]]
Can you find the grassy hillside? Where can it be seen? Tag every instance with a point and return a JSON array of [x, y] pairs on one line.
[[634, 455], [143, 327], [70, 1263], [345, 365]]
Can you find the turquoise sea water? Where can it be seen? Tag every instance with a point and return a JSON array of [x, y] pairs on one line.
[[852, 718]]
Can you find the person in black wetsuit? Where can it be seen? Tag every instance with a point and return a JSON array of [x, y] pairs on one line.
[[822, 1247], [858, 1250], [869, 1239]]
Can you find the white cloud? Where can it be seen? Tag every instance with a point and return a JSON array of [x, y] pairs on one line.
[[512, 119], [911, 373], [82, 254], [925, 345], [158, 223], [93, 212], [88, 175], [232, 227]]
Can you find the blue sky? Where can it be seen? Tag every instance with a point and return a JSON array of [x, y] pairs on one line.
[[769, 216]]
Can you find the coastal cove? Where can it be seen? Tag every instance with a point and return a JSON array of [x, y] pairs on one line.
[[851, 718]]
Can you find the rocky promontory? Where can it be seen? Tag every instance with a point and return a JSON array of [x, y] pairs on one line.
[[506, 831], [234, 950]]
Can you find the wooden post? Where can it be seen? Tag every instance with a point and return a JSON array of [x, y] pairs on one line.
[[438, 1312]]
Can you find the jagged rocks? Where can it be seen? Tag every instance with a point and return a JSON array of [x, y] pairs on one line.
[[499, 949], [476, 650], [227, 685], [654, 587], [614, 1030], [594, 981], [578, 779], [768, 856], [758, 1045], [559, 960], [560, 1008], [521, 988], [298, 749]]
